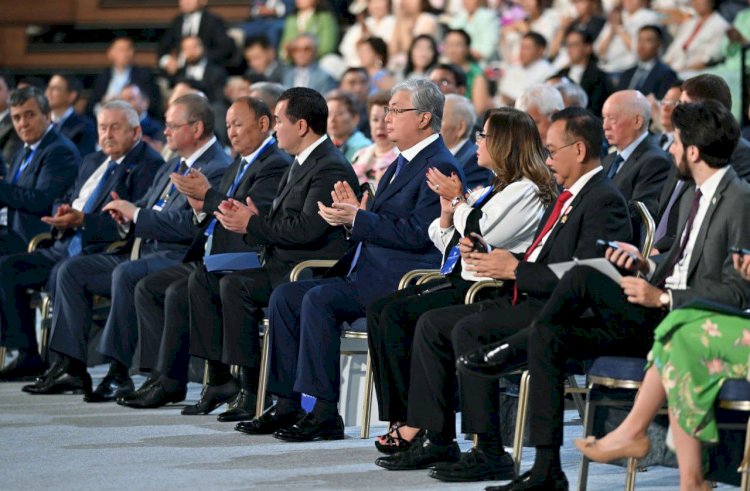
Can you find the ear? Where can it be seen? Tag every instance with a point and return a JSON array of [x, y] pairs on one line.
[[580, 148], [424, 122], [265, 123], [302, 127]]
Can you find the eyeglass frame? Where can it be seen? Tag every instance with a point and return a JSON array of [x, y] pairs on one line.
[[551, 153], [480, 136], [174, 127], [396, 111]]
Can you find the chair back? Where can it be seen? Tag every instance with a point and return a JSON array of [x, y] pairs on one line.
[[644, 226]]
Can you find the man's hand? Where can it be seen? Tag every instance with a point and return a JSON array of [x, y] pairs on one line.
[[624, 258], [498, 264], [234, 216], [465, 246], [343, 193], [65, 217], [196, 204], [641, 292], [341, 213], [193, 185], [120, 210], [742, 265]]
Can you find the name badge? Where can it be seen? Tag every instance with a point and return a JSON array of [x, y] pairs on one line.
[[158, 206], [450, 262]]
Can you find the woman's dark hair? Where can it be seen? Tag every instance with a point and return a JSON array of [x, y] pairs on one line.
[[379, 47], [409, 68]]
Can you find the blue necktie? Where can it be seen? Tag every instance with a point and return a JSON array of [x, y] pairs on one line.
[[615, 165], [211, 226], [27, 153], [76, 244], [400, 163]]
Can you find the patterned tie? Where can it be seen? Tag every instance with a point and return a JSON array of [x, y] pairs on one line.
[[169, 188], [615, 166], [212, 225], [686, 236], [76, 244], [551, 221]]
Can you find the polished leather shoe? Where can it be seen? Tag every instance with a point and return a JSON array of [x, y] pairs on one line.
[[111, 388], [139, 391], [311, 428], [53, 372], [475, 465], [212, 397], [154, 396], [22, 369], [62, 383], [491, 361], [421, 454], [554, 482], [242, 409], [269, 422]]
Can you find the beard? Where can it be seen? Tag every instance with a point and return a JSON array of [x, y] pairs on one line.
[[683, 169]]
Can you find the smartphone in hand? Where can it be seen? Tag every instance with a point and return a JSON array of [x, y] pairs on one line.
[[480, 244], [740, 251], [604, 244]]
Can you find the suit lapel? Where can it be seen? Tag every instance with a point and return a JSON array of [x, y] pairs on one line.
[[321, 150], [408, 172]]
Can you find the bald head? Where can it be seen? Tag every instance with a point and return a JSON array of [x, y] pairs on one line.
[[626, 115]]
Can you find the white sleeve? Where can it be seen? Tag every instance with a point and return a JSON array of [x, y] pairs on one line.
[[440, 236]]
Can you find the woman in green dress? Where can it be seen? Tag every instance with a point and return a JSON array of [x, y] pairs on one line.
[[731, 48], [694, 352]]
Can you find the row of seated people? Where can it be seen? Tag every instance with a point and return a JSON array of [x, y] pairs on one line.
[[175, 306]]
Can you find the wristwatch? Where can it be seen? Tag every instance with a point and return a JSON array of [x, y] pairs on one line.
[[665, 300], [455, 201]]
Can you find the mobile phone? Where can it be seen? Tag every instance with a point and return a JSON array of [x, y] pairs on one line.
[[612, 244], [480, 245], [740, 251]]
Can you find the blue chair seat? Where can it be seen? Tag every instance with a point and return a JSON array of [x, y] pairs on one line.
[[618, 367], [735, 390]]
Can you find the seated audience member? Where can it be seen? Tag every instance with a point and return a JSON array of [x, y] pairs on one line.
[[533, 68], [370, 163], [10, 143], [457, 127], [305, 316], [413, 20], [539, 18], [697, 42], [377, 21], [125, 166], [199, 67], [589, 207], [541, 102], [313, 19], [457, 51], [194, 20], [304, 70], [482, 26], [62, 93], [267, 20], [505, 214], [736, 37], [260, 56], [572, 94], [159, 228], [356, 81], [584, 71], [588, 19], [665, 107], [639, 167], [110, 83], [699, 265], [373, 53], [225, 312], [451, 79], [343, 119], [615, 46], [162, 298], [152, 129], [688, 376], [38, 174], [421, 57], [650, 75], [267, 92]]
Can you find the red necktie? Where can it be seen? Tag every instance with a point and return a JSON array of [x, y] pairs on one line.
[[551, 221]]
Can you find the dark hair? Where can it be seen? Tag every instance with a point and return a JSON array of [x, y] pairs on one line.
[[378, 46], [7, 78], [586, 36], [655, 29], [258, 40], [537, 39], [20, 96], [122, 38], [257, 106], [583, 125], [706, 86], [72, 83], [460, 32], [380, 98], [309, 105], [709, 126], [676, 83], [32, 81], [409, 68], [344, 98], [355, 69], [198, 109], [193, 84], [458, 73]]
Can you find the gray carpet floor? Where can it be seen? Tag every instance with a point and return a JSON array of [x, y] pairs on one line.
[[61, 443]]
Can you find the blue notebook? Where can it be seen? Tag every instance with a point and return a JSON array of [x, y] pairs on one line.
[[232, 261]]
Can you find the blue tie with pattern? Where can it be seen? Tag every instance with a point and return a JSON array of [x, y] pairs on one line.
[[76, 244]]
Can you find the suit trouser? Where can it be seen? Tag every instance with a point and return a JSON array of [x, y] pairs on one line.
[[10, 243], [618, 328], [305, 319], [225, 311], [82, 277], [391, 321], [161, 301]]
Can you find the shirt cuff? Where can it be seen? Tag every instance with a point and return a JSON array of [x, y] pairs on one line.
[[135, 215]]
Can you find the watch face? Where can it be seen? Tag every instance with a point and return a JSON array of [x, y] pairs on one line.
[[664, 298]]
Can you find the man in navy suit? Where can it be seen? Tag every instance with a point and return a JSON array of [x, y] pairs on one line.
[[152, 130], [650, 75], [62, 93], [159, 228], [40, 172], [391, 239], [126, 166], [459, 120]]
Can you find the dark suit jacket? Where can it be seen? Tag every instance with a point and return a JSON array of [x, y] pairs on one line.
[[320, 80], [214, 78], [153, 128], [642, 176], [293, 231], [657, 82], [711, 274], [9, 141], [598, 211], [140, 76], [467, 159], [393, 232], [212, 31], [52, 170], [260, 182], [740, 160], [596, 85], [81, 131]]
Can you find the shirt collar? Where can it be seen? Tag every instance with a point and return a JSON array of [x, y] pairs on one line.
[[455, 149], [583, 180], [304, 154], [254, 155], [628, 151], [189, 161], [412, 152], [647, 65], [64, 116], [36, 143], [708, 188]]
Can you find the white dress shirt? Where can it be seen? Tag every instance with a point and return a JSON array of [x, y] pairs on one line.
[[91, 183]]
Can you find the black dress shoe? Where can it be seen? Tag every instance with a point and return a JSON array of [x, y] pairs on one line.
[[475, 465], [111, 388], [269, 422], [491, 361], [22, 369], [53, 372], [311, 428], [421, 454], [555, 482], [212, 397], [62, 383], [139, 391], [242, 409], [154, 396]]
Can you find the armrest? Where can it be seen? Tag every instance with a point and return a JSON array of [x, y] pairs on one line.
[[414, 276], [429, 277], [43, 239], [474, 290], [312, 263], [115, 245]]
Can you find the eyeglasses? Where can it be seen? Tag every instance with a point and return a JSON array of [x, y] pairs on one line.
[[444, 82], [551, 153], [394, 110], [668, 103], [173, 127], [480, 136]]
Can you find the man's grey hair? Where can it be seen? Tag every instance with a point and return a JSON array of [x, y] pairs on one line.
[[573, 94], [546, 99], [19, 97], [131, 116], [425, 97], [312, 37], [462, 109], [640, 106], [269, 92]]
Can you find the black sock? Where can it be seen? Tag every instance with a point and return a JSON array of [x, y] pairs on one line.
[[546, 462], [218, 373], [287, 405], [490, 443], [438, 438], [325, 409], [248, 378], [170, 384], [76, 367], [27, 354], [118, 369]]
